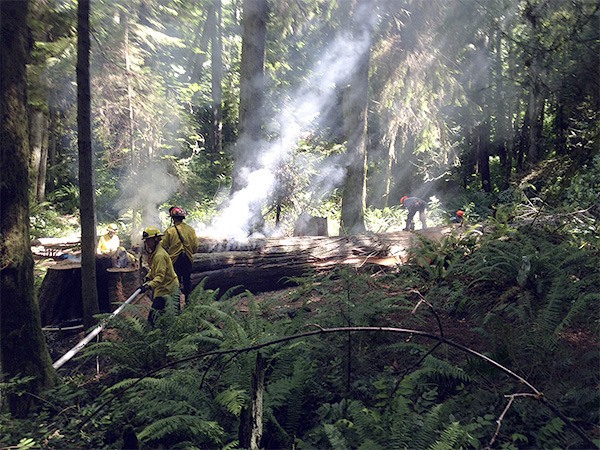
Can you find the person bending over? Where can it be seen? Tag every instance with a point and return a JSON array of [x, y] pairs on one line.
[[414, 205]]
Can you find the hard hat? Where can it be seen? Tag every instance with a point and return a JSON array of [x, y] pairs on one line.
[[151, 232], [460, 213], [403, 198], [177, 211], [112, 227]]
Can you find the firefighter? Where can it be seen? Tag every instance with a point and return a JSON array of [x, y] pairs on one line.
[[161, 278], [181, 243], [414, 204], [107, 248], [458, 217], [109, 243]]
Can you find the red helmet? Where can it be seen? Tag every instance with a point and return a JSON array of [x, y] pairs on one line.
[[177, 211], [460, 213], [403, 198]]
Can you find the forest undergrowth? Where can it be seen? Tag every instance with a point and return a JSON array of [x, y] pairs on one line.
[[525, 299]]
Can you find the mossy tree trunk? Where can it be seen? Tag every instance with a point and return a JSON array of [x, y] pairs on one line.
[[87, 207], [23, 350]]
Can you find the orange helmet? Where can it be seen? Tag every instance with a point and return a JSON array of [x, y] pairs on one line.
[[403, 198], [460, 213]]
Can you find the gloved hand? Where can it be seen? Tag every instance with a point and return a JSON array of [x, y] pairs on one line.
[[144, 287]]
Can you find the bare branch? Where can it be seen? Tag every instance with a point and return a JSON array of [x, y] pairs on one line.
[[538, 395]]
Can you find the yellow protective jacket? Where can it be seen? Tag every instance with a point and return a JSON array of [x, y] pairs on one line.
[[108, 245], [162, 277], [173, 245]]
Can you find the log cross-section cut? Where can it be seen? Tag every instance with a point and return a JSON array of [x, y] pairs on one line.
[[267, 264]]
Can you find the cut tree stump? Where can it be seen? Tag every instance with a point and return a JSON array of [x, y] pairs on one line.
[[60, 298], [261, 265]]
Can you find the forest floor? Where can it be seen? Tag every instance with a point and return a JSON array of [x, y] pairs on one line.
[[288, 301]]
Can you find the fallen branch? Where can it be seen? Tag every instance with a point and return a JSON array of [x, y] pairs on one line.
[[511, 398]]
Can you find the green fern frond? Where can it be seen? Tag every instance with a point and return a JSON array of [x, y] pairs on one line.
[[335, 437], [579, 306], [182, 425], [369, 444], [449, 438], [426, 431], [233, 400]]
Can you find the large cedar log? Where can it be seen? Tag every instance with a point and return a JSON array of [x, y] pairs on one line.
[[267, 264]]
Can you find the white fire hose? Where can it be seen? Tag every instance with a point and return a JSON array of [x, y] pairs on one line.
[[67, 356]]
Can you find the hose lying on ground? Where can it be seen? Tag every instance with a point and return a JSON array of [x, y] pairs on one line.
[[67, 356]]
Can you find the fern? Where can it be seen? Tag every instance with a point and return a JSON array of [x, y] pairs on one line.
[[449, 438], [182, 425], [335, 437], [425, 432], [233, 400]]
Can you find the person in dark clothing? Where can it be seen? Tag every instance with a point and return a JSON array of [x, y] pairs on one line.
[[414, 205], [458, 217]]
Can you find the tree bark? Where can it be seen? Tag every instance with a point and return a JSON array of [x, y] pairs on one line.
[[503, 112], [483, 155], [261, 265], [39, 152], [251, 420], [198, 57], [217, 82], [252, 84], [355, 128], [87, 205], [23, 350]]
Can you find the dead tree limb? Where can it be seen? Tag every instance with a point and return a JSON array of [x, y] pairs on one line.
[[535, 393]]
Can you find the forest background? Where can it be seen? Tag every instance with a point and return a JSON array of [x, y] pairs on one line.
[[248, 113]]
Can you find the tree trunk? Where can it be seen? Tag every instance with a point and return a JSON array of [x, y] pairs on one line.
[[87, 205], [503, 112], [60, 294], [483, 155], [199, 54], [217, 82], [251, 420], [535, 115], [23, 350], [254, 35], [355, 129], [39, 152]]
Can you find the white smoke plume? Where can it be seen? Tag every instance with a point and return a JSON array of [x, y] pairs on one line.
[[308, 104]]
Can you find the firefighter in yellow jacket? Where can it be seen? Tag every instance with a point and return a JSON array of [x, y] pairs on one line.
[[181, 243], [161, 278], [108, 244]]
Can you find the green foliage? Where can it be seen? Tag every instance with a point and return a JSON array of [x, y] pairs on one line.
[[45, 220], [386, 219], [353, 390]]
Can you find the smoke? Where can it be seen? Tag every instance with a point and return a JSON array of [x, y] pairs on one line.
[[297, 117], [146, 188]]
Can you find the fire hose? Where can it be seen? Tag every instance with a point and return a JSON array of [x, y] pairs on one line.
[[67, 356]]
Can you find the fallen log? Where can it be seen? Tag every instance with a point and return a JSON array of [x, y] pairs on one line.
[[268, 264]]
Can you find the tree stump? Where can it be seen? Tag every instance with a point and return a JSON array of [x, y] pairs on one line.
[[60, 294], [60, 298], [122, 283]]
